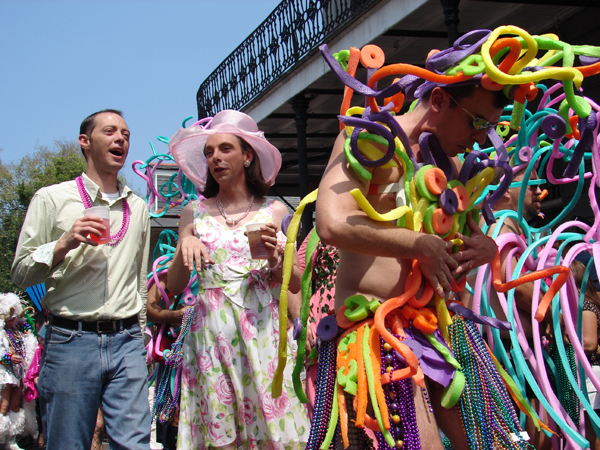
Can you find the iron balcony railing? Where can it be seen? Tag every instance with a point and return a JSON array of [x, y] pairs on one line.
[[292, 32]]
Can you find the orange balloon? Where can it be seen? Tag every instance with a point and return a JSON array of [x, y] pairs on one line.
[[441, 221], [372, 57], [435, 180]]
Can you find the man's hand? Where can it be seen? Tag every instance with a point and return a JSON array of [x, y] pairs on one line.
[[181, 313], [478, 249], [435, 262], [194, 251], [15, 358], [80, 233]]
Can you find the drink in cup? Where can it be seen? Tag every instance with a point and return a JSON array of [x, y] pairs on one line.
[[104, 213], [257, 246]]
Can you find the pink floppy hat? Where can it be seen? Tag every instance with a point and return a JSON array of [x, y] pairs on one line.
[[187, 145]]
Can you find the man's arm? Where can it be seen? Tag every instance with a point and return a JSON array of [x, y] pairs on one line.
[[37, 254], [158, 314], [341, 223], [189, 251]]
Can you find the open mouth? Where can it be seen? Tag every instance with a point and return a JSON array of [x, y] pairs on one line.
[[116, 152]]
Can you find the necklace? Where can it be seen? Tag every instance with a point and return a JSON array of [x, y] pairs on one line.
[[228, 220], [16, 341], [85, 198]]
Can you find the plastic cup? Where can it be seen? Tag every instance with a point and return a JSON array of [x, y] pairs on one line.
[[104, 213], [257, 246]]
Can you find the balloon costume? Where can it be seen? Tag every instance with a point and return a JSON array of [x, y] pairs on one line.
[[370, 350]]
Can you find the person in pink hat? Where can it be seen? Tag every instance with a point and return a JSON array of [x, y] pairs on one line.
[[230, 353]]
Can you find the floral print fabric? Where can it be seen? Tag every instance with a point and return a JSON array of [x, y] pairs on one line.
[[230, 352]]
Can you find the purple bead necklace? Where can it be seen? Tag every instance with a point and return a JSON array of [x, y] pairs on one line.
[[325, 387], [85, 198], [401, 404]]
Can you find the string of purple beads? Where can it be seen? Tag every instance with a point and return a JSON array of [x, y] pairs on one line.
[[400, 402], [324, 391]]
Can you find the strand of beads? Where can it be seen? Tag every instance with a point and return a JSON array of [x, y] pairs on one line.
[[87, 203], [566, 394], [487, 413], [16, 341], [25, 327], [174, 356], [165, 403], [6, 358], [400, 400], [324, 391]]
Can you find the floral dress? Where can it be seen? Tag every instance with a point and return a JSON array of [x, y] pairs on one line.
[[230, 352]]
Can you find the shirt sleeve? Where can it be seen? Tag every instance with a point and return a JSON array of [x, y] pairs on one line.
[[143, 270], [35, 249]]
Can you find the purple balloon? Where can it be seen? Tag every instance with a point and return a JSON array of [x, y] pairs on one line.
[[297, 328], [448, 201], [554, 126], [327, 329]]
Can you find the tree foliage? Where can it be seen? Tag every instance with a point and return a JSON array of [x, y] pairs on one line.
[[19, 181]]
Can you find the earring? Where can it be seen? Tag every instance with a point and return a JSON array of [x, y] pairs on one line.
[[246, 164]]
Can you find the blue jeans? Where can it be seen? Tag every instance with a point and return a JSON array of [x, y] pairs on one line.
[[82, 370]]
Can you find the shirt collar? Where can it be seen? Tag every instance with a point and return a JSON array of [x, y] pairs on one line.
[[94, 190]]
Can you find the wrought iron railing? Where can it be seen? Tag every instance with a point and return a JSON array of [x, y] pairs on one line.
[[292, 32]]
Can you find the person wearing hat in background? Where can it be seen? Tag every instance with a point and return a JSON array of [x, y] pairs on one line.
[[230, 353]]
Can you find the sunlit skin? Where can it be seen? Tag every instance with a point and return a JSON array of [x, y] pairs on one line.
[[224, 157], [454, 127], [375, 257], [106, 147]]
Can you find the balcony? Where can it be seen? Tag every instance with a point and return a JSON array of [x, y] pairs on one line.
[[291, 33]]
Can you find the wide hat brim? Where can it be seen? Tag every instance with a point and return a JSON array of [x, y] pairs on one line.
[[187, 146]]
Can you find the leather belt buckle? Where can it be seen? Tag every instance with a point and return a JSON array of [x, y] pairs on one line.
[[106, 326]]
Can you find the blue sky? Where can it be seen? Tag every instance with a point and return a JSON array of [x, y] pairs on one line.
[[61, 60]]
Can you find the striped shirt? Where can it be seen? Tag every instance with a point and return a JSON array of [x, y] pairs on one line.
[[92, 283]]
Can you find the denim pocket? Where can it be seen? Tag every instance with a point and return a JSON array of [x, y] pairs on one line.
[[58, 335], [134, 332]]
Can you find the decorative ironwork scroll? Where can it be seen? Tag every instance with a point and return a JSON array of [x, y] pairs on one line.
[[292, 32]]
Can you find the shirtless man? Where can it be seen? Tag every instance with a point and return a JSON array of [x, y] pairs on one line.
[[375, 257]]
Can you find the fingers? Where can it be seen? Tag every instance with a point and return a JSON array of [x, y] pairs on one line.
[[464, 268], [81, 230], [194, 253], [206, 256], [437, 287]]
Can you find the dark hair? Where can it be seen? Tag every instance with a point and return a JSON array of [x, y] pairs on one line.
[[457, 92], [254, 179], [578, 270], [89, 123]]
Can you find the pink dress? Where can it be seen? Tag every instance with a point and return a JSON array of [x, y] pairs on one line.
[[29, 388], [230, 352]]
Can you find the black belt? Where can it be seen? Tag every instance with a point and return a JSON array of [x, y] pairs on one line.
[[100, 326]]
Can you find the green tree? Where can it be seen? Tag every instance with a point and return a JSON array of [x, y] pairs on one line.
[[19, 181]]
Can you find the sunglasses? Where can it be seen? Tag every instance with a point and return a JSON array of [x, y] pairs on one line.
[[478, 122]]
